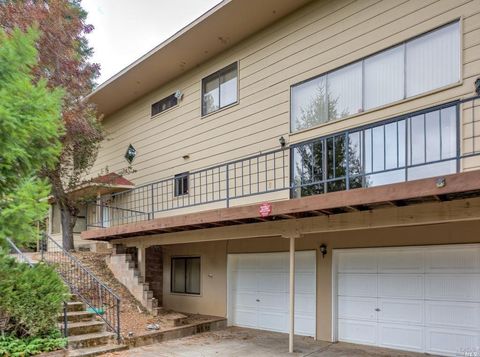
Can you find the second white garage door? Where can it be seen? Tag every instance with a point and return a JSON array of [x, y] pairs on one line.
[[258, 291], [424, 299]]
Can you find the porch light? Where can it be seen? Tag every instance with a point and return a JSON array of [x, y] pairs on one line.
[[477, 86], [282, 141], [130, 154], [323, 250]]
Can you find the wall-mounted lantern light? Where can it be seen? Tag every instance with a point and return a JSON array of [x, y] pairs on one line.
[[477, 86], [282, 141], [323, 250]]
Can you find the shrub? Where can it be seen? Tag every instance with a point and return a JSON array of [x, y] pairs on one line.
[[31, 297], [15, 347]]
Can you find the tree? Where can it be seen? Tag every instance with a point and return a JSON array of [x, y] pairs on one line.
[[30, 126], [64, 61]]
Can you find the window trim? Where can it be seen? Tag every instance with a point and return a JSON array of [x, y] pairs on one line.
[[152, 116], [218, 74], [178, 177], [185, 257], [458, 20]]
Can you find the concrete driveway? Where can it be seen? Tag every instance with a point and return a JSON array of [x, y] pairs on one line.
[[235, 341]]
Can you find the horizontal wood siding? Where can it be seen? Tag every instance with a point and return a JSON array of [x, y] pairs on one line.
[[315, 39]]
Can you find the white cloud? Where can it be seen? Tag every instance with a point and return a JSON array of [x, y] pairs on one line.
[[127, 29]]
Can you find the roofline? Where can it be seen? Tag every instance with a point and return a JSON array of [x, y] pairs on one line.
[[157, 48]]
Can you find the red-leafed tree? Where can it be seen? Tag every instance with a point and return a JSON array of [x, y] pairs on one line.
[[64, 61]]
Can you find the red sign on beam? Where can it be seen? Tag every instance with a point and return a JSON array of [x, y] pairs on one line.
[[265, 209]]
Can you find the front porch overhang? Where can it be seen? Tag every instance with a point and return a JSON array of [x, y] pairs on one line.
[[427, 201]]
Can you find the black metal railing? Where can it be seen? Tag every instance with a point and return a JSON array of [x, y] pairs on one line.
[[260, 174], [82, 282], [417, 145], [436, 141], [21, 257]]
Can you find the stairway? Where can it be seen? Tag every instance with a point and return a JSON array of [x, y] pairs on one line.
[[87, 335], [125, 271]]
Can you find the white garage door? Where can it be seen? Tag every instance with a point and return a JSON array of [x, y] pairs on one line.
[[258, 287], [424, 299]]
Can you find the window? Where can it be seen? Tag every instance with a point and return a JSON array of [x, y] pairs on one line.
[[164, 104], [417, 66], [185, 275], [181, 184], [407, 148], [219, 89]]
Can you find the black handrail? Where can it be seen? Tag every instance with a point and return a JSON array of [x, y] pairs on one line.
[[82, 282]]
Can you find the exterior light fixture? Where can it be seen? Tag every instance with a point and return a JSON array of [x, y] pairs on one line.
[[130, 154], [323, 250], [186, 157], [477, 86], [440, 182], [282, 141]]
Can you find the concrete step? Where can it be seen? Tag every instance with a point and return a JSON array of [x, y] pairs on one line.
[[90, 340], [75, 306], [77, 316], [176, 319], [84, 327], [96, 351]]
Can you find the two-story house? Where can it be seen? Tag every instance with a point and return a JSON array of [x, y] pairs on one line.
[[320, 155]]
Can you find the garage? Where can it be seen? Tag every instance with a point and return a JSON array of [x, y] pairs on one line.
[[424, 299], [258, 291]]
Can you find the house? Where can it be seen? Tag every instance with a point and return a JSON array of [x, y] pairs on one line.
[[315, 154]]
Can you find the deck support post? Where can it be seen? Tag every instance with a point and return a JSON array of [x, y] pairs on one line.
[[292, 294]]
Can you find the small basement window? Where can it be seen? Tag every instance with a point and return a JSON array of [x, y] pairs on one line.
[[219, 89], [181, 184], [164, 104], [185, 275]]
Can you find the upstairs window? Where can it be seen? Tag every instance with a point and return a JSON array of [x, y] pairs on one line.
[[181, 184], [220, 89], [417, 66], [164, 104]]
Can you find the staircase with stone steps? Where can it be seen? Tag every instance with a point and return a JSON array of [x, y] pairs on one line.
[[126, 272], [87, 335]]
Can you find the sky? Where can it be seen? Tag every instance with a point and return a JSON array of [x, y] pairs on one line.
[[127, 29]]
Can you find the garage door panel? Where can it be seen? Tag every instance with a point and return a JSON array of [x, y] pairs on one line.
[[244, 280], [265, 277], [452, 287], [303, 283], [362, 285], [272, 301], [304, 324], [401, 311], [398, 261], [272, 282], [357, 262], [461, 259], [451, 342], [399, 336], [273, 321], [355, 331], [273, 262], [245, 317], [357, 308], [453, 314], [305, 304], [428, 298], [409, 286]]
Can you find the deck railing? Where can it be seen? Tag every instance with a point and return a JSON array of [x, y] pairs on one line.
[[436, 141]]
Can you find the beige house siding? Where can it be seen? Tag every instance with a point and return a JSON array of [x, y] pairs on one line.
[[318, 38], [213, 299]]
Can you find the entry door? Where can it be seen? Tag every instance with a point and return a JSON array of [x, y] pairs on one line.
[[424, 299], [259, 291]]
